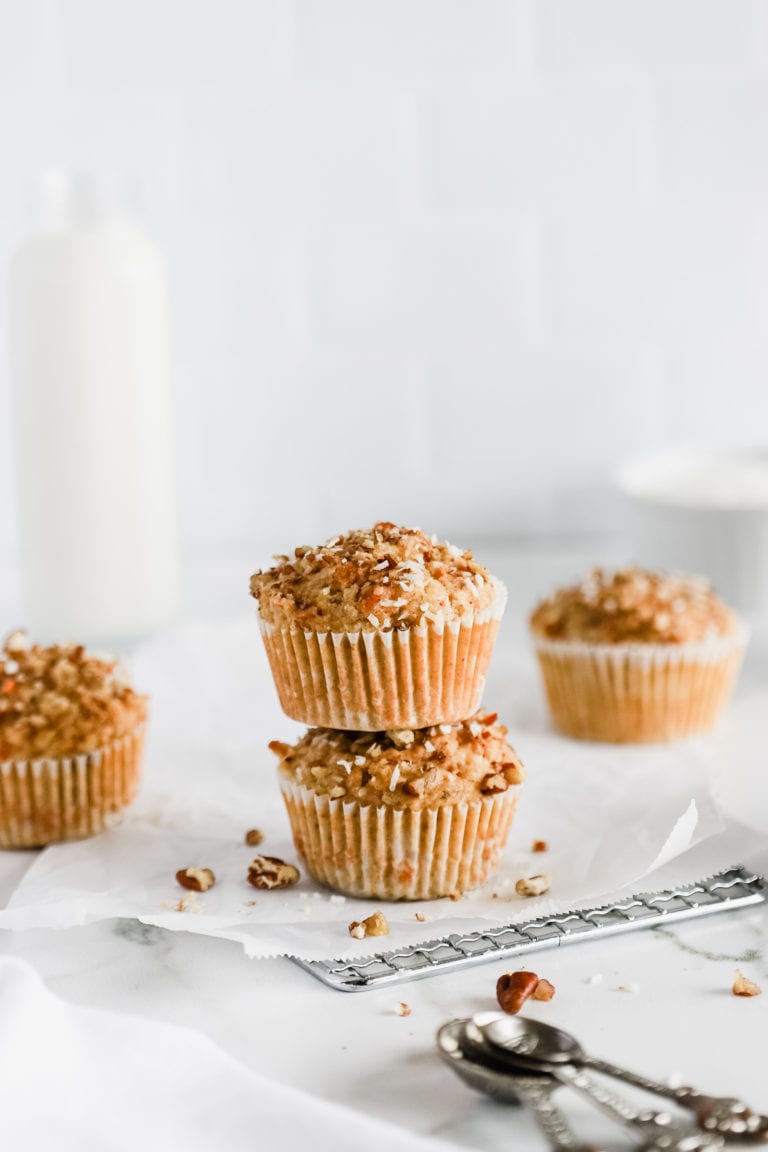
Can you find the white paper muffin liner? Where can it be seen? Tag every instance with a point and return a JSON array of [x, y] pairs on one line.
[[369, 681], [48, 800], [639, 693], [398, 854]]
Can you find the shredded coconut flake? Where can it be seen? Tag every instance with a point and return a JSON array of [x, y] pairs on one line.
[[474, 727], [394, 777], [429, 746], [373, 620], [382, 564], [346, 765], [359, 761]]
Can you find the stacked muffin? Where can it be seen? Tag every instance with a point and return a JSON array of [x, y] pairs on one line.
[[382, 640]]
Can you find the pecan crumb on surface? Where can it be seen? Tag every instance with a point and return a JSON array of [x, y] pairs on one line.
[[373, 925], [254, 837], [540, 846], [420, 917], [533, 885], [196, 879], [742, 986], [271, 872], [403, 1009], [629, 986], [544, 990], [513, 989]]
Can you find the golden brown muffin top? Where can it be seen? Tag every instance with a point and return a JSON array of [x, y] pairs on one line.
[[634, 606], [406, 768], [384, 577], [59, 701]]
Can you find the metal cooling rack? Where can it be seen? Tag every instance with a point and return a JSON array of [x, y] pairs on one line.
[[730, 889]]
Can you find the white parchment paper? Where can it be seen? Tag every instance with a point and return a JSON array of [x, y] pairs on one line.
[[616, 819]]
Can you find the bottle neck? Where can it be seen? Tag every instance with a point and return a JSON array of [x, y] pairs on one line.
[[80, 200]]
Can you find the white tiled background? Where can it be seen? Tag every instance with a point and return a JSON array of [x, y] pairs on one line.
[[442, 261]]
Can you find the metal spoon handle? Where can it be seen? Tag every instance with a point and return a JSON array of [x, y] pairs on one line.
[[658, 1129], [724, 1114], [630, 1077], [537, 1094]]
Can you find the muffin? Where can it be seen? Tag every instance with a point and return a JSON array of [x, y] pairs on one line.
[[71, 734], [635, 656], [404, 814], [383, 628]]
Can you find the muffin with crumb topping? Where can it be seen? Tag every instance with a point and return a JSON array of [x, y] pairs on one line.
[[403, 814], [635, 656], [71, 734], [382, 628]]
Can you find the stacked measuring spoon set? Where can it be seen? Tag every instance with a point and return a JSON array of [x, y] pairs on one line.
[[524, 1062]]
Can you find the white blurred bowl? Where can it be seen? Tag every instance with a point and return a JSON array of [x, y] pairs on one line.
[[704, 513]]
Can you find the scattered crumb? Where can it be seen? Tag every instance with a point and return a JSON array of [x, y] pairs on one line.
[[254, 837], [596, 978], [744, 987], [250, 903], [403, 1009], [540, 846], [305, 909], [337, 899], [373, 925], [421, 917], [533, 885], [629, 986], [455, 896], [543, 990], [187, 903]]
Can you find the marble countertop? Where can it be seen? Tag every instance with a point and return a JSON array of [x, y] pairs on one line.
[[679, 1022], [682, 1022]]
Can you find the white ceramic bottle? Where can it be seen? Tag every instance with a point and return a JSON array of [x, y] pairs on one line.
[[89, 355]]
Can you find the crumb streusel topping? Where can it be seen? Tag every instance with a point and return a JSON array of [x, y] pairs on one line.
[[59, 701], [381, 578], [634, 606], [408, 768]]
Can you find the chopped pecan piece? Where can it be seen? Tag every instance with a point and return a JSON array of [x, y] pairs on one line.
[[271, 872], [533, 885], [279, 748], [745, 987], [513, 989], [196, 879], [373, 925]]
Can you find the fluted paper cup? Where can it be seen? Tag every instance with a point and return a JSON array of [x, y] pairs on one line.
[[639, 693], [398, 854], [370, 681], [48, 800]]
